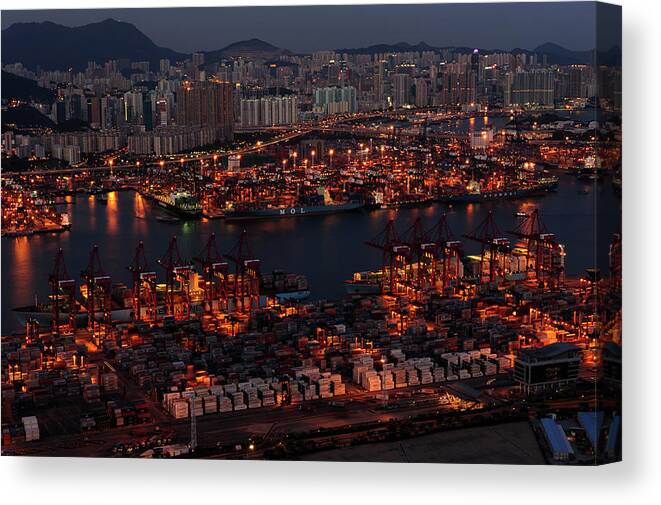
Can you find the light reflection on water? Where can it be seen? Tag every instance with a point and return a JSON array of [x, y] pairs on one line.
[[328, 249]]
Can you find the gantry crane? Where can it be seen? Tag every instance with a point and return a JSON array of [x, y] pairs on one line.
[[176, 270], [144, 285], [446, 251], [63, 294], [97, 290], [214, 274], [542, 247], [417, 268], [394, 257], [246, 273], [494, 248]]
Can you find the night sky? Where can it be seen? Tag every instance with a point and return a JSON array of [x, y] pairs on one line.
[[305, 29]]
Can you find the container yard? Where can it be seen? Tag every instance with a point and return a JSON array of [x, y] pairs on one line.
[[212, 341]]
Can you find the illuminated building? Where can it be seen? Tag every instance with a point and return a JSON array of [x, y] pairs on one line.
[[206, 104], [551, 367], [529, 88]]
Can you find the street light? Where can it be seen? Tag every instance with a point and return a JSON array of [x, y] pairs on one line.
[[330, 155], [313, 152]]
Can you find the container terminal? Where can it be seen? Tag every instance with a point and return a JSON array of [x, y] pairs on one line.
[[377, 160], [209, 356]]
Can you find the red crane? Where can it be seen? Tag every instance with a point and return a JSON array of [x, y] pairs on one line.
[[543, 247], [414, 237], [444, 248], [494, 247], [176, 270], [63, 293], [394, 256], [144, 284], [97, 290], [246, 273], [214, 273]]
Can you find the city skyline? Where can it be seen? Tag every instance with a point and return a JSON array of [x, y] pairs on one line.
[[358, 254], [364, 25]]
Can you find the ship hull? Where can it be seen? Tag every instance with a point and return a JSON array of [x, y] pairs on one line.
[[497, 195], [174, 209], [362, 289], [293, 295], [45, 318], [288, 212], [178, 210]]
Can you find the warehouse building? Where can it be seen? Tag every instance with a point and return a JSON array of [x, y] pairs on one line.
[[551, 367]]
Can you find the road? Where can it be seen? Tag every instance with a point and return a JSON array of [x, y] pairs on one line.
[[294, 132], [236, 427]]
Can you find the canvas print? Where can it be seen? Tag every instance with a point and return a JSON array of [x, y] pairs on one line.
[[381, 233]]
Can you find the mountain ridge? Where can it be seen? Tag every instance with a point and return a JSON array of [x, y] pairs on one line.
[[52, 46]]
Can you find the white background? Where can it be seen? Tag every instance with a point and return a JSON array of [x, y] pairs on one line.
[[636, 480]]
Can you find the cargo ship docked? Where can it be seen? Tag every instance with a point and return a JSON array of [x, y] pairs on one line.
[[474, 194], [43, 314], [311, 206], [181, 203], [364, 283]]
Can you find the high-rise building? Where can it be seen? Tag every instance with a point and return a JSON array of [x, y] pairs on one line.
[[269, 111], [206, 103], [421, 92], [379, 83], [458, 85], [334, 100], [401, 89], [528, 88], [198, 59], [164, 66]]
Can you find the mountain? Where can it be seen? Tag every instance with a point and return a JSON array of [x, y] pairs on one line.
[[24, 116], [555, 53], [19, 88], [253, 48], [54, 47], [561, 56], [399, 47]]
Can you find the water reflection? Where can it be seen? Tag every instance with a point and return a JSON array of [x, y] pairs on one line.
[[328, 249]]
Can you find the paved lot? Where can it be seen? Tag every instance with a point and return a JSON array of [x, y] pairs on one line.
[[511, 443]]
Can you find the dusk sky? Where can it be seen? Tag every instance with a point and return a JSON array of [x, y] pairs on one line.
[[305, 29]]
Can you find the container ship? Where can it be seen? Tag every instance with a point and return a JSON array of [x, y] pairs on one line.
[[308, 206], [285, 286], [181, 203], [474, 194], [364, 283], [43, 314]]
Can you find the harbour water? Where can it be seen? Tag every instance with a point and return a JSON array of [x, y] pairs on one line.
[[327, 249]]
